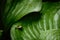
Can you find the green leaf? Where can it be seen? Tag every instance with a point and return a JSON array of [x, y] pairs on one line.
[[39, 26], [16, 9]]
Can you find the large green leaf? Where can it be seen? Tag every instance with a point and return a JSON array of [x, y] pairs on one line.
[[16, 9], [39, 26]]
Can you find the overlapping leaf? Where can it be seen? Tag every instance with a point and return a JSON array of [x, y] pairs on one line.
[[39, 26], [16, 9]]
